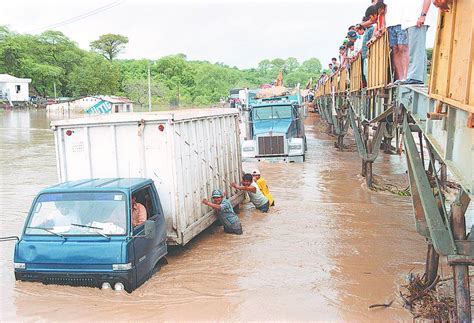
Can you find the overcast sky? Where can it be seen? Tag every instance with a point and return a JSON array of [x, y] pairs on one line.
[[237, 33]]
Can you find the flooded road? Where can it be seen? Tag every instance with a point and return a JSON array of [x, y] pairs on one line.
[[326, 251]]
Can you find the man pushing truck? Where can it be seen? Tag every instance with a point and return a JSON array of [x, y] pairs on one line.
[[225, 212]]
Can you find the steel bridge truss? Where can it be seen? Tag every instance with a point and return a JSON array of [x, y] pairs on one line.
[[437, 138]]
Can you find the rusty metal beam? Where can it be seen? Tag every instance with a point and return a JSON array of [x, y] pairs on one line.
[[439, 233], [382, 116], [462, 294]]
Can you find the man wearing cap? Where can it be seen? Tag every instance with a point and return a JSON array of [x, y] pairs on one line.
[[225, 212], [256, 196], [262, 185]]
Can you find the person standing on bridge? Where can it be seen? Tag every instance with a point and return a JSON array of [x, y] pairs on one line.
[[262, 185], [256, 196], [225, 212], [414, 18]]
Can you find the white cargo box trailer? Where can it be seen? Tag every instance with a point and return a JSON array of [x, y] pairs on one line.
[[187, 153]]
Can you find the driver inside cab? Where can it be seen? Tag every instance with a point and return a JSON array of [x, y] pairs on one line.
[[138, 212]]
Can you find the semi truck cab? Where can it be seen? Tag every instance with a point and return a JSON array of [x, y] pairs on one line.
[[80, 233], [275, 130]]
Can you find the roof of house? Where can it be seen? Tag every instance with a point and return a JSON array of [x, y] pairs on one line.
[[111, 99], [6, 78], [114, 99]]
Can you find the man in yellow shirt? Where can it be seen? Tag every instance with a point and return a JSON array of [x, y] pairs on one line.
[[262, 185]]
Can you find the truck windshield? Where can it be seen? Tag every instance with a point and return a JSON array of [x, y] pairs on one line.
[[98, 213], [276, 112]]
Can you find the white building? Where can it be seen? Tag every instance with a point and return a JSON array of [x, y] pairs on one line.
[[93, 104], [14, 89]]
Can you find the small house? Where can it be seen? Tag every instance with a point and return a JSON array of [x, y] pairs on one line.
[[93, 105], [14, 89], [109, 104]]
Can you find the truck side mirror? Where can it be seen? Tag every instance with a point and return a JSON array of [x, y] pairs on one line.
[[149, 231]]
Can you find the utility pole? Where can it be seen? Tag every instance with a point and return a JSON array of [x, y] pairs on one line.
[[54, 86], [149, 88]]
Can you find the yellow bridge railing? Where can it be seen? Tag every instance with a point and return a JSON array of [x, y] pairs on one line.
[[379, 71], [356, 75], [452, 77]]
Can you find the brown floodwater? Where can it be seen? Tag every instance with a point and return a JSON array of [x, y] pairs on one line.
[[326, 251]]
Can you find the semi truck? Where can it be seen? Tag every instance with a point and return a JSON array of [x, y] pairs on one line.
[[81, 232], [274, 128]]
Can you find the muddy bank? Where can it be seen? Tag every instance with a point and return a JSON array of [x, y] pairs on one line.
[[328, 250]]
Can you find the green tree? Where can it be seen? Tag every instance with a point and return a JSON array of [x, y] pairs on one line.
[[58, 50], [429, 54], [44, 76], [4, 32], [291, 64], [109, 45], [264, 67], [95, 75], [277, 65], [297, 77], [177, 75], [312, 65], [137, 90]]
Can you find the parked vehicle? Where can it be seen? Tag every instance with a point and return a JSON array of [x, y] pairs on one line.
[[80, 232], [274, 128], [234, 99], [187, 153]]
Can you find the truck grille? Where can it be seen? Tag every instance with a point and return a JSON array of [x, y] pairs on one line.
[[71, 281], [271, 145]]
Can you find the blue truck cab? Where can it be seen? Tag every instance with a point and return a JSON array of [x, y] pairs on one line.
[[80, 233], [275, 129]]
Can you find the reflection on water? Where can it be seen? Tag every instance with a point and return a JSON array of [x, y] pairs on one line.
[[326, 251]]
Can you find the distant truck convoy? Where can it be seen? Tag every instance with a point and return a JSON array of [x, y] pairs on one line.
[[80, 232], [274, 128]]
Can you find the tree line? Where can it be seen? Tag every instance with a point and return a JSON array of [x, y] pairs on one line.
[[52, 60]]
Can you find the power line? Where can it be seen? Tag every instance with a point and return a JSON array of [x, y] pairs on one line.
[[80, 17]]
